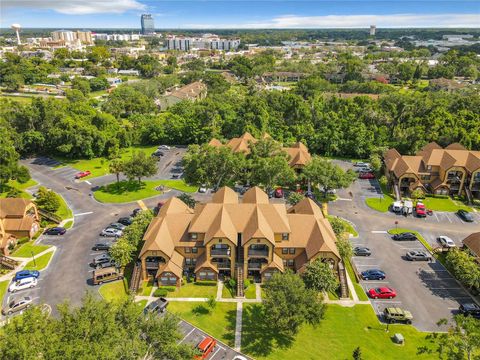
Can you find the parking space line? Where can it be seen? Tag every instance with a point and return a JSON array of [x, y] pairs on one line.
[[371, 265], [379, 232], [187, 335], [215, 353], [386, 301]]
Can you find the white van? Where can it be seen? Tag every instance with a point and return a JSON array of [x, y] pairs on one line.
[[397, 206], [407, 207], [25, 283]]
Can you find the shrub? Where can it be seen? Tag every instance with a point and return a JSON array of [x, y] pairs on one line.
[[246, 283], [22, 175], [232, 283], [160, 292], [169, 288], [206, 283]]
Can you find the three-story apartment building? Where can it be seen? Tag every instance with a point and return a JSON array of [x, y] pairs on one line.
[[217, 238], [453, 170]]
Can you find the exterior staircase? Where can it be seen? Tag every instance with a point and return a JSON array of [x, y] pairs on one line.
[[50, 216], [469, 195], [240, 288], [7, 263], [343, 281], [136, 277], [396, 189]]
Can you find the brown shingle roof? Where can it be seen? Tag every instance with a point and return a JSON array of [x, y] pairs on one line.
[[225, 195], [472, 241], [215, 142], [276, 263], [190, 91], [175, 206], [202, 262], [13, 207], [255, 195], [174, 265]]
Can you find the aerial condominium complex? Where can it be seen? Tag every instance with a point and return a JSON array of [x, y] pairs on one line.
[[453, 170], [226, 237]]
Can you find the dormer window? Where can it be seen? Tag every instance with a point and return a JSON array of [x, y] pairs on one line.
[[285, 236], [193, 236]]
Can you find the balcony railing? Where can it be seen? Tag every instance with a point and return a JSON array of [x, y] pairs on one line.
[[255, 266], [258, 252], [221, 252], [153, 264], [223, 266]]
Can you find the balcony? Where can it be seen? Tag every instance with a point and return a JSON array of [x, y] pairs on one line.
[[263, 253], [255, 266], [220, 252], [152, 264], [223, 265]]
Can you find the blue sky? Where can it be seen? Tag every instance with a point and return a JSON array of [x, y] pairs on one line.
[[240, 13]]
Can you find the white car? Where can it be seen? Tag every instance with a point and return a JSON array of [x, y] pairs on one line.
[[22, 284], [164, 147], [361, 164], [445, 241], [202, 189], [110, 232]]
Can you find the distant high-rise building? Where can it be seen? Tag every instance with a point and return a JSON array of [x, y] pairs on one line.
[[205, 42], [373, 28], [65, 35], [85, 37], [148, 25]]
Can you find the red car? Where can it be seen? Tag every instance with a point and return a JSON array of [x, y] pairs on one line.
[[278, 193], [82, 174], [366, 175], [420, 210], [382, 293], [205, 347]]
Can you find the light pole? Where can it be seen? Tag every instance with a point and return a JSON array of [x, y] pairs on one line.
[[33, 257], [396, 226]]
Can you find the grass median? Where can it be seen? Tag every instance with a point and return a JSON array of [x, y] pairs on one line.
[[29, 249], [338, 334], [116, 290], [127, 191], [3, 291], [39, 263], [417, 234]]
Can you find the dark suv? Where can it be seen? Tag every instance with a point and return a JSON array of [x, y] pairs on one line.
[[102, 246], [471, 309], [362, 251], [407, 236]]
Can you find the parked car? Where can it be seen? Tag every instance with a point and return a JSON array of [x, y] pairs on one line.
[[366, 175], [382, 293], [415, 255], [396, 314], [406, 236], [373, 274], [109, 232], [420, 210], [26, 274], [310, 195], [164, 147], [278, 193], [117, 226], [82, 174], [102, 259], [471, 309], [17, 305], [56, 231], [101, 276], [465, 215], [136, 211], [361, 164], [125, 220], [25, 283], [158, 153], [446, 242], [361, 251], [102, 246], [106, 264], [205, 347], [202, 189], [157, 306]]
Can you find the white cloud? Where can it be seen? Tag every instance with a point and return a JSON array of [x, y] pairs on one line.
[[357, 21], [76, 7]]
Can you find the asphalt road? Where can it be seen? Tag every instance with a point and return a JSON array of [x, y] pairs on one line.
[[426, 289]]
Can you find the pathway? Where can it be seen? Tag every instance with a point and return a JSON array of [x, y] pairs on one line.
[[238, 326]]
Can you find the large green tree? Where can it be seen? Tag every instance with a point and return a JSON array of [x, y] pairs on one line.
[[327, 175], [139, 166], [320, 277], [96, 330], [287, 304], [464, 267]]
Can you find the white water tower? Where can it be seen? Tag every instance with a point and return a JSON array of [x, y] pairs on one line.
[[16, 28]]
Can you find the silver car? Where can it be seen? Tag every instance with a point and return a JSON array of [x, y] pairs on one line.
[[110, 232], [415, 255]]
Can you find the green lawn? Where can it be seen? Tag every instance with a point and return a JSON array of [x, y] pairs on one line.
[[199, 289], [68, 224], [420, 237], [229, 293], [219, 322], [99, 166], [437, 204], [127, 191], [27, 249], [339, 333], [362, 296], [116, 290], [40, 263], [64, 211], [20, 187], [3, 290], [147, 288]]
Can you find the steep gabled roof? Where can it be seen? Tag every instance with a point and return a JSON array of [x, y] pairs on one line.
[[215, 142], [221, 227], [255, 195], [14, 207], [472, 241], [257, 228], [202, 262], [158, 238], [225, 195], [306, 206], [276, 263], [174, 206], [455, 146], [174, 265]]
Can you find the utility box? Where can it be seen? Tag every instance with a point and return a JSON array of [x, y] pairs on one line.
[[398, 339]]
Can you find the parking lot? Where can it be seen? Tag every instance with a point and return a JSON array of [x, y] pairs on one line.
[[194, 336], [424, 288]]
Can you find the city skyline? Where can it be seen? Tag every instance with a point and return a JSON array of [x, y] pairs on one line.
[[239, 14]]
